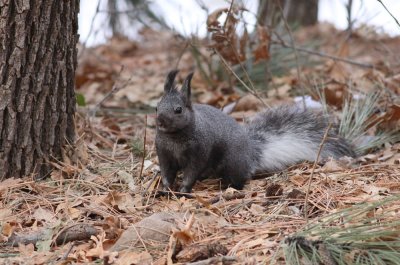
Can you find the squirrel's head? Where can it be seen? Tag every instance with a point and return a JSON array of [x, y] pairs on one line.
[[174, 111]]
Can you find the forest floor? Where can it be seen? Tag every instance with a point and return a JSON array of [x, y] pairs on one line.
[[100, 204]]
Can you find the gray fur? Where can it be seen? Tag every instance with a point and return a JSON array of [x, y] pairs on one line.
[[286, 135], [201, 141]]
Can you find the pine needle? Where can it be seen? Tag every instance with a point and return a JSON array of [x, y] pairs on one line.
[[358, 118], [367, 233]]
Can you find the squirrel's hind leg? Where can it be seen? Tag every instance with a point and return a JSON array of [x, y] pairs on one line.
[[191, 174], [236, 177]]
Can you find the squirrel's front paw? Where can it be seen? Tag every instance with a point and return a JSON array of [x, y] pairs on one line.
[[185, 189]]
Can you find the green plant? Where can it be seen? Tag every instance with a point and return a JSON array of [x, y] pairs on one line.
[[367, 233], [358, 117]]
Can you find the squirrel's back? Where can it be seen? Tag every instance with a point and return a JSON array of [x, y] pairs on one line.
[[227, 142]]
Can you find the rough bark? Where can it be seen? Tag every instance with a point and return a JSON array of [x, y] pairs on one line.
[[37, 100], [301, 12]]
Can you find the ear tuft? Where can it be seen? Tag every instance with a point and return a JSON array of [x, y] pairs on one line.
[[186, 88], [170, 81]]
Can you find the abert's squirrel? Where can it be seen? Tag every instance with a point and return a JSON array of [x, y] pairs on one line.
[[201, 140]]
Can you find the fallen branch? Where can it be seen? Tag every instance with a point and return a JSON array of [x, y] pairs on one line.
[[322, 54], [312, 171], [72, 233]]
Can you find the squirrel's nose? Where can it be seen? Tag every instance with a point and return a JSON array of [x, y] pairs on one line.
[[162, 120]]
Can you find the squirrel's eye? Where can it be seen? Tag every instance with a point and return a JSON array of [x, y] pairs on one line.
[[156, 109], [178, 110]]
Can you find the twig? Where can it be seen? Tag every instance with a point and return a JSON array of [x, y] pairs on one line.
[[65, 256], [395, 19], [253, 92], [198, 56], [245, 72], [322, 54], [171, 249], [91, 29], [296, 55], [227, 15], [140, 238], [144, 147], [238, 58], [312, 171], [349, 6], [148, 187], [181, 54], [113, 90]]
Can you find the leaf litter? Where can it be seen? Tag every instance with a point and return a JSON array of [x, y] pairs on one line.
[[100, 203]]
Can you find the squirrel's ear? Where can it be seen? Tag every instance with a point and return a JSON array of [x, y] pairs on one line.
[[169, 83], [186, 89]]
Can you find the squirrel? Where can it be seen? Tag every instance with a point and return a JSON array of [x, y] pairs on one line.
[[201, 140]]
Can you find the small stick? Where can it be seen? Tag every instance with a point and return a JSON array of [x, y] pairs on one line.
[[254, 93], [252, 90], [395, 19], [246, 73], [181, 54], [227, 14], [144, 147], [65, 256], [140, 238], [113, 90], [148, 186], [322, 54], [313, 169]]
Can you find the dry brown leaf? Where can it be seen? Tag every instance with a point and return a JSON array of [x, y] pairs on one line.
[[98, 251], [45, 215], [156, 227], [26, 250], [212, 19], [299, 180], [339, 71], [261, 52], [121, 201], [256, 209], [5, 214], [331, 166], [7, 229], [8, 183], [374, 190], [133, 258]]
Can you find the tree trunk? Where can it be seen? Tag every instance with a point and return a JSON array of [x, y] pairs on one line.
[[301, 12], [297, 12], [37, 66]]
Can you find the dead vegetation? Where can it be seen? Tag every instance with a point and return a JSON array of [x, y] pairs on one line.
[[100, 204]]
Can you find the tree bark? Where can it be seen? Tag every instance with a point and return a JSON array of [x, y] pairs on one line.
[[298, 12], [38, 57], [301, 12]]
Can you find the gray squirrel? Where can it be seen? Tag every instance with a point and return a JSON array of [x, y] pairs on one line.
[[201, 140]]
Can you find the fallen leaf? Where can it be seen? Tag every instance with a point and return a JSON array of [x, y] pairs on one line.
[[133, 258], [45, 215]]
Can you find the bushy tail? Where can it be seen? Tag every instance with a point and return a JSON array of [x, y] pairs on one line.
[[287, 135]]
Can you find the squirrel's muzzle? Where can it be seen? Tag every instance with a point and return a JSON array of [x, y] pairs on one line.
[[162, 122]]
